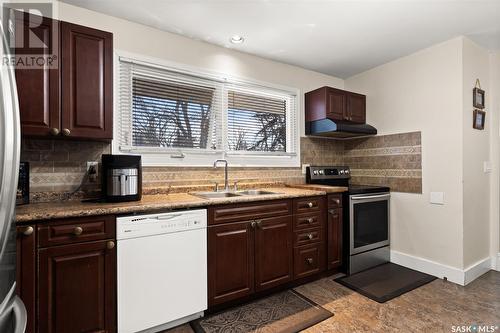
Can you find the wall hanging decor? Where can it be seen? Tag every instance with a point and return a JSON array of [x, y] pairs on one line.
[[478, 96], [479, 118]]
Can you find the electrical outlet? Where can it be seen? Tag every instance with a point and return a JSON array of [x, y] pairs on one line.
[[304, 166], [93, 170]]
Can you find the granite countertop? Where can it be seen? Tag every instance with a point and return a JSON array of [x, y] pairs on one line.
[[66, 209], [325, 188]]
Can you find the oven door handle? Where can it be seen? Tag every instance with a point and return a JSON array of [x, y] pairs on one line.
[[364, 197]]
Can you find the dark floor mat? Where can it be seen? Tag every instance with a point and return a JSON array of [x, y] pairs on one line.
[[285, 312], [385, 282]]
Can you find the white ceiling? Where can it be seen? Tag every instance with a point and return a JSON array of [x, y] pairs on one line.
[[341, 38]]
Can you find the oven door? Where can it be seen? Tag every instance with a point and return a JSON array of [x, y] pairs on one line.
[[369, 221]]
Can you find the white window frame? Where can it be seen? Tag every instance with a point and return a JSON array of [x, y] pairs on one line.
[[186, 157]]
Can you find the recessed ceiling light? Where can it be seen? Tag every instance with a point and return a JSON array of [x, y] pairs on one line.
[[237, 39]]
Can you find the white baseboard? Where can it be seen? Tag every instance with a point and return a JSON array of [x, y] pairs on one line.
[[441, 271], [452, 274], [476, 270], [495, 263]]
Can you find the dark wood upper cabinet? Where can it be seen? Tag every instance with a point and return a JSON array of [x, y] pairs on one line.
[[87, 72], [335, 104], [273, 252], [73, 97], [26, 272], [77, 288], [356, 107], [334, 241], [230, 262], [38, 88]]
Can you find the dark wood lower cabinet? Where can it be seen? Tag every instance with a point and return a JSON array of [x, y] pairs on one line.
[[77, 288], [273, 252], [26, 272], [230, 262], [334, 238]]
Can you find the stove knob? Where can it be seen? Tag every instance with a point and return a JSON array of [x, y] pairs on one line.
[[341, 172], [315, 172], [347, 171], [321, 172]]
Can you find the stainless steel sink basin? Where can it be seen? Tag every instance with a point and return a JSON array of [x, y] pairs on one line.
[[215, 195], [255, 192]]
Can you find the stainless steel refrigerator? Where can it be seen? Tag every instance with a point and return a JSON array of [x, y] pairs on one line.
[[12, 310]]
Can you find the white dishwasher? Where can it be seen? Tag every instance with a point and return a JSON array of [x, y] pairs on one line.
[[162, 270]]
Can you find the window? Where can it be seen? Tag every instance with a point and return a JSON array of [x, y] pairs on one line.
[[184, 118]]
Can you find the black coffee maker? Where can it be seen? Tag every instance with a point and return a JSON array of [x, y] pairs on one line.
[[121, 178]]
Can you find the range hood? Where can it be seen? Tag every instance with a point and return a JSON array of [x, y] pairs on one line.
[[342, 130]]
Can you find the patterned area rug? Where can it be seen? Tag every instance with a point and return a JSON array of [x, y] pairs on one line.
[[285, 312]]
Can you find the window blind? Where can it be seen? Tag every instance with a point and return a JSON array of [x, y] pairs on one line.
[[161, 109], [256, 122]]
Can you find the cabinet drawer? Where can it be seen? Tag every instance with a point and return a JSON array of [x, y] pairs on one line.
[[77, 230], [308, 236], [308, 260], [309, 204], [308, 220], [334, 200], [249, 211]]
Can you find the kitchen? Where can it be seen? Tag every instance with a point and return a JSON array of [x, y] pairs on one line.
[[266, 212]]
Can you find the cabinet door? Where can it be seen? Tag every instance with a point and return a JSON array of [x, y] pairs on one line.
[[77, 288], [38, 88], [356, 108], [26, 272], [273, 252], [87, 73], [334, 238], [337, 104], [230, 262]]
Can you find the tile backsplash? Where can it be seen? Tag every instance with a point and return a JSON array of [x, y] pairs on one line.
[[58, 167]]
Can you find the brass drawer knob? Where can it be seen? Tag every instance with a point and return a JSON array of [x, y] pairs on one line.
[[28, 231], [77, 231], [310, 220], [310, 236], [54, 131], [110, 245], [337, 201], [66, 132], [253, 224], [309, 261], [310, 205]]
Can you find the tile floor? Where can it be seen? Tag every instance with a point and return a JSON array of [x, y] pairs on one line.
[[435, 307]]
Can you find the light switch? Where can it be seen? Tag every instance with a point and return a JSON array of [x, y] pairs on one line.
[[437, 198], [487, 166]]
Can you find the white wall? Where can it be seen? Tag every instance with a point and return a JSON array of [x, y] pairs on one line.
[[476, 150], [147, 41], [494, 112]]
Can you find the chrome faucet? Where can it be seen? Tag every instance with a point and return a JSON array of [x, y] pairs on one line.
[[226, 181]]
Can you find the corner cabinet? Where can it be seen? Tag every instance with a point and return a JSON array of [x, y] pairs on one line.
[[74, 98], [335, 104]]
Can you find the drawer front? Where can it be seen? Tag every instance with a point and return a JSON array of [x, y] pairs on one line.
[[308, 220], [77, 230], [308, 260], [309, 204], [334, 200], [249, 211], [308, 236]]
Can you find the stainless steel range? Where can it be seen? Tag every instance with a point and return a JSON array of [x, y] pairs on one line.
[[365, 218]]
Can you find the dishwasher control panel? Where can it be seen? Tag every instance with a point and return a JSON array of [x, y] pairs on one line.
[[156, 224]]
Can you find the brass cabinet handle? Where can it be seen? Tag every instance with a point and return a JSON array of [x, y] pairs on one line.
[[310, 205], [54, 131], [309, 261], [66, 132], [77, 231], [253, 224], [310, 236], [110, 245], [337, 201], [28, 231], [259, 223], [310, 220]]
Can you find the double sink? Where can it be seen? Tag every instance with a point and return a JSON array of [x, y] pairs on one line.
[[217, 195]]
